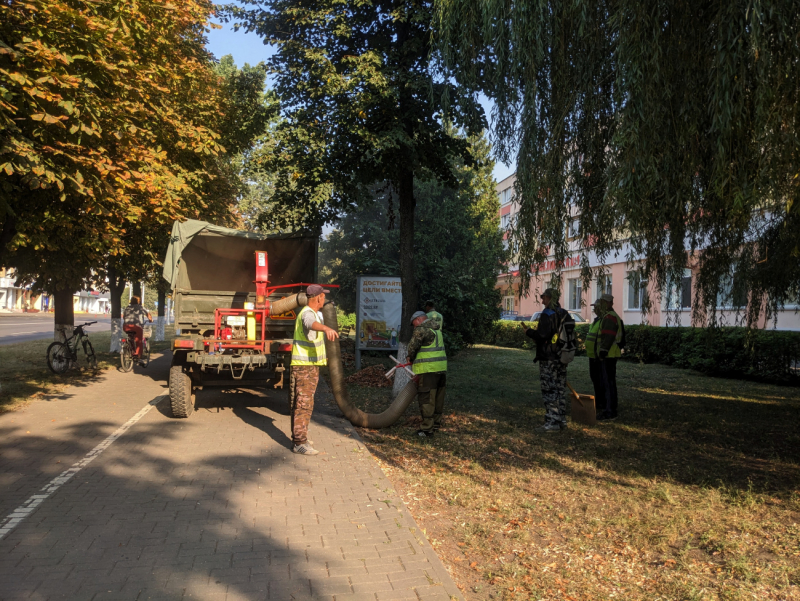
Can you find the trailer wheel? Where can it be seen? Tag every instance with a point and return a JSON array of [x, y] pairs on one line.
[[180, 392]]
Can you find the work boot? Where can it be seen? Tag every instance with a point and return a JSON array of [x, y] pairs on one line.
[[305, 449], [607, 416], [548, 428]]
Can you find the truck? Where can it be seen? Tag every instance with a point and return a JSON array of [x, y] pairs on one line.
[[236, 295]]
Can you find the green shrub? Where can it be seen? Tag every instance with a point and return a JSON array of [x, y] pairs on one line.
[[347, 321], [726, 352]]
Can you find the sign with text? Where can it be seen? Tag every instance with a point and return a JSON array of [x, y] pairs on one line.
[[379, 307]]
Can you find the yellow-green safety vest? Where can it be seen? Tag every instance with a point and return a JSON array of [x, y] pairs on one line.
[[436, 316], [305, 350], [591, 342], [431, 358]]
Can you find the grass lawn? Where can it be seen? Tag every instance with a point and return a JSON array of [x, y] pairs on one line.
[[24, 374], [694, 493]]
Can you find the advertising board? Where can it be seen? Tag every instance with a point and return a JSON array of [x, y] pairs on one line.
[[379, 306]]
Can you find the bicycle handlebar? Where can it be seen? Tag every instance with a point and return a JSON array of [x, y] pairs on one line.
[[88, 323]]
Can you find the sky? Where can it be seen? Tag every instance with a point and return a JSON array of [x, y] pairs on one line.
[[248, 48]]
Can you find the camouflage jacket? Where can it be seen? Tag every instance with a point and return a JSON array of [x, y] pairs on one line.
[[423, 335]]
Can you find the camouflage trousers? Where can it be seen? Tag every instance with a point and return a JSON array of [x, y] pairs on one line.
[[553, 375], [302, 385], [430, 395]]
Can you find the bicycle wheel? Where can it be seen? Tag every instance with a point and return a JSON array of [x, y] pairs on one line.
[[145, 361], [90, 356], [58, 357], [126, 357]]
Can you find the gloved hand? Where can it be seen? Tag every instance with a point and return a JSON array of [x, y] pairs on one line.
[[602, 354]]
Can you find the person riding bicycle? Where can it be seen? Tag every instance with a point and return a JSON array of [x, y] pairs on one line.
[[134, 319]]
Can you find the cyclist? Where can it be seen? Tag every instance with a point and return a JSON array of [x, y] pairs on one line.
[[134, 319]]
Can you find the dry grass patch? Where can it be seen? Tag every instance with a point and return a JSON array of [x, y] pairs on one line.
[[24, 375], [693, 494]]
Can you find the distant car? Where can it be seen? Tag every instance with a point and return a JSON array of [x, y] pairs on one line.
[[575, 315], [509, 317]]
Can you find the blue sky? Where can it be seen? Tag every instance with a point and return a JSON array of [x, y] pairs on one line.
[[248, 48]]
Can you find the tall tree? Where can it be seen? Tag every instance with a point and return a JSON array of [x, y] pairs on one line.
[[107, 120], [359, 96], [458, 244], [672, 124]]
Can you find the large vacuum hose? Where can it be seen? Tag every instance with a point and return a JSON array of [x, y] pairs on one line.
[[288, 303], [352, 413]]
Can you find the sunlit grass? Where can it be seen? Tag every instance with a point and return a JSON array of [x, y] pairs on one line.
[[24, 374], [693, 494]]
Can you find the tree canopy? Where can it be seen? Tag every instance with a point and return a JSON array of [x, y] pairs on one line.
[[109, 117], [671, 125], [457, 242], [360, 102]]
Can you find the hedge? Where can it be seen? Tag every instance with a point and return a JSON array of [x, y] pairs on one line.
[[730, 352]]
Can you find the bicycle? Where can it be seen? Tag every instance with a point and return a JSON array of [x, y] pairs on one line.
[[128, 344], [62, 355]]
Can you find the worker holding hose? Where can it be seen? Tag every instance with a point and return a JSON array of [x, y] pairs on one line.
[[426, 352], [308, 354]]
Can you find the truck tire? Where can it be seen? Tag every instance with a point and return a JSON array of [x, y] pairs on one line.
[[180, 392]]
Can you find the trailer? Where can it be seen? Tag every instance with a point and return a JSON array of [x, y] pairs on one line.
[[236, 296]]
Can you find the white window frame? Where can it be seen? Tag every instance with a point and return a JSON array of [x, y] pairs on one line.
[[608, 280], [508, 301], [505, 220], [633, 292], [574, 294], [574, 228], [506, 196], [674, 296]]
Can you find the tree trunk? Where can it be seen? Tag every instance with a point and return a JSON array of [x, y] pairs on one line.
[[162, 301], [64, 315], [405, 189], [116, 285], [137, 291]]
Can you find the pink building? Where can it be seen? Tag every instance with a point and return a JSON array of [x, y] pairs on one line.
[[620, 279]]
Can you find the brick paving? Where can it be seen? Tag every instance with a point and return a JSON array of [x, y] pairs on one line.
[[212, 507]]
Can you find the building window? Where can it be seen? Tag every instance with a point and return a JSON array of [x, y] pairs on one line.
[[505, 220], [680, 297], [637, 291], [574, 228], [603, 285], [508, 304], [506, 196], [731, 294], [575, 291]]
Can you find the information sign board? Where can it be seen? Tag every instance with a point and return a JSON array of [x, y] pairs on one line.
[[379, 307]]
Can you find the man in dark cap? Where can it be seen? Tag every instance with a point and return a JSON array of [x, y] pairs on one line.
[[433, 313], [426, 352], [308, 354], [552, 372]]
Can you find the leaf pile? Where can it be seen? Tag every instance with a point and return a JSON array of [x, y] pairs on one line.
[[373, 376]]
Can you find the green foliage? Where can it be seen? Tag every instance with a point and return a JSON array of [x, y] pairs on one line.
[[356, 90], [108, 131], [458, 246], [347, 321], [731, 352], [664, 126]]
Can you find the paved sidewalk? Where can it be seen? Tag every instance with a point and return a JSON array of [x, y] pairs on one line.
[[213, 507]]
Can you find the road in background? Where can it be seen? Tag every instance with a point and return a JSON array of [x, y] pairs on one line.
[[22, 327]]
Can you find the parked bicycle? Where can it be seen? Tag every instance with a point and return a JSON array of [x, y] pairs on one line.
[[126, 353], [63, 355]]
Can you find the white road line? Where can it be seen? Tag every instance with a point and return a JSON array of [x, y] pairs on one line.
[[13, 519]]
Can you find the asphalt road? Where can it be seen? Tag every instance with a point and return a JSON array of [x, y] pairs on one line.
[[22, 327]]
